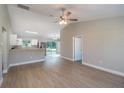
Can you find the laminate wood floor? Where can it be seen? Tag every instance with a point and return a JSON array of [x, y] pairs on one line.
[[59, 73]]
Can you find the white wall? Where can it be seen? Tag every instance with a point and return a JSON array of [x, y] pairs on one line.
[[103, 42], [13, 39], [1, 78], [58, 47], [4, 48], [23, 20]]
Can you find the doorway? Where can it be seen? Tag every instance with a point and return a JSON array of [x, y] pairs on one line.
[[53, 48], [78, 48]]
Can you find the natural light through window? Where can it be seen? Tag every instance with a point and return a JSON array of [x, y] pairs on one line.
[[26, 43]]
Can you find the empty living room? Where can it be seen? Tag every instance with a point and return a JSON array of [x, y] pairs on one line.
[[61, 45]]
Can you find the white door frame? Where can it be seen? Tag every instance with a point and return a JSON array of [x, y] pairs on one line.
[[74, 46], [4, 51]]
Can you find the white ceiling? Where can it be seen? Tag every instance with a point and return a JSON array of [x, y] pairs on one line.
[[38, 19], [83, 12]]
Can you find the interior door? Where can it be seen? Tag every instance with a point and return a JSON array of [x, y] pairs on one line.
[[77, 48]]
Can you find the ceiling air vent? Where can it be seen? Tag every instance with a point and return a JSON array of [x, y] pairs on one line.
[[23, 7]]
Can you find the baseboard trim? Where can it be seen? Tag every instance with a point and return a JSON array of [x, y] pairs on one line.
[[67, 58], [5, 71], [26, 62], [104, 69], [1, 81]]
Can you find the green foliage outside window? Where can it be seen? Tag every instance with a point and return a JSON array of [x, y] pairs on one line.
[[26, 43], [51, 45]]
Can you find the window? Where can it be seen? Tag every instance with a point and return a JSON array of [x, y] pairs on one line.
[[27, 43]]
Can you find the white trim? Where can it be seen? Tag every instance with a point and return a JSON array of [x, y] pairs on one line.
[[67, 58], [1, 81], [27, 62], [73, 48], [5, 71], [104, 69], [77, 35]]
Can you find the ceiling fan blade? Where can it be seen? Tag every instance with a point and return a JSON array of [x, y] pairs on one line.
[[73, 19], [53, 16], [61, 18], [68, 13], [56, 21]]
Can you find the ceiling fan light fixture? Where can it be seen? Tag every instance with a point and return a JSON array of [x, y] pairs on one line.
[[62, 22], [65, 22]]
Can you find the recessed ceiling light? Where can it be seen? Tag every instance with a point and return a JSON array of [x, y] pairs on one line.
[[30, 32]]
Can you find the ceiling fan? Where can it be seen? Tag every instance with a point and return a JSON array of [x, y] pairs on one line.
[[64, 17]]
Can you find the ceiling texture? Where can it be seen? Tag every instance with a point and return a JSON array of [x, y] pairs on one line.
[[37, 19]]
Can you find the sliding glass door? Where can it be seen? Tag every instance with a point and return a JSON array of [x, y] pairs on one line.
[[51, 48]]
